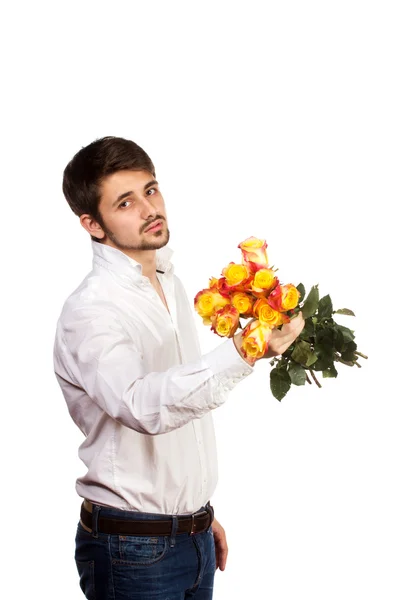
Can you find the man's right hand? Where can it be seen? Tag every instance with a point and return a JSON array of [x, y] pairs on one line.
[[280, 339]]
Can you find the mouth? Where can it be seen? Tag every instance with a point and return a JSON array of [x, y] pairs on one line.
[[156, 225]]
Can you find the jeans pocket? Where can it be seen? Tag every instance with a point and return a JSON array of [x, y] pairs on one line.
[[139, 550], [86, 575]]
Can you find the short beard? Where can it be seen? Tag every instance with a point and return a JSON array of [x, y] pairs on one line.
[[153, 245]]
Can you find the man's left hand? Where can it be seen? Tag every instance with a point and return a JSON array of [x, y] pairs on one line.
[[221, 547]]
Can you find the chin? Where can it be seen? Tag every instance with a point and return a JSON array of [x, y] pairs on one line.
[[158, 239], [163, 238]]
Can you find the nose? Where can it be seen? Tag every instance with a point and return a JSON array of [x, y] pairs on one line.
[[148, 209]]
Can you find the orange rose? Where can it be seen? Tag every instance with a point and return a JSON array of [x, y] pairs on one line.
[[243, 302], [290, 297], [255, 339], [264, 281], [225, 321], [268, 315], [284, 297], [213, 282], [223, 287], [254, 253], [235, 274], [208, 301]]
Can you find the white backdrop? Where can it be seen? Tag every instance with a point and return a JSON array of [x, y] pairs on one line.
[[278, 120]]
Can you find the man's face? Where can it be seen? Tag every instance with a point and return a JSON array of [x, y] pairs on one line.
[[130, 203]]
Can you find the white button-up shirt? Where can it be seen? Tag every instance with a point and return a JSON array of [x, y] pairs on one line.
[[139, 389]]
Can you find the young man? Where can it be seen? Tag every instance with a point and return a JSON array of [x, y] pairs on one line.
[[127, 358]]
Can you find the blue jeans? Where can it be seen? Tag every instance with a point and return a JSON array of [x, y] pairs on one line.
[[127, 567]]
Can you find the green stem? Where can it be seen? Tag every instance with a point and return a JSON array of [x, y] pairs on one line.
[[360, 354], [315, 379], [308, 379], [344, 362]]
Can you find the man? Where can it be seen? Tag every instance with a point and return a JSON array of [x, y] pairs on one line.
[[127, 358]]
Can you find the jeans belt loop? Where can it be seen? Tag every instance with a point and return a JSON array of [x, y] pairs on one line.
[[192, 531], [210, 511], [173, 530], [95, 520]]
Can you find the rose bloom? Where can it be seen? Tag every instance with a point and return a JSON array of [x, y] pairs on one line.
[[254, 252], [213, 282], [223, 287], [243, 302], [255, 339], [284, 297], [225, 321], [268, 315], [235, 274], [207, 302], [264, 281]]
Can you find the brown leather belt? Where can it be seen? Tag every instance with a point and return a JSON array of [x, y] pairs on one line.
[[195, 523]]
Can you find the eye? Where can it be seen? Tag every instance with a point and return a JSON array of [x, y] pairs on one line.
[[122, 203], [153, 190]]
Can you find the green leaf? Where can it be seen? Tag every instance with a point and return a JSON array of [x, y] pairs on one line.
[[344, 311], [347, 333], [330, 372], [301, 352], [322, 364], [351, 346], [339, 340], [297, 374], [324, 349], [325, 340], [311, 302], [308, 331], [325, 308], [311, 360], [302, 291], [280, 383], [349, 356]]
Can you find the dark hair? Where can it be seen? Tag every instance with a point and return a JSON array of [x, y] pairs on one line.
[[85, 172]]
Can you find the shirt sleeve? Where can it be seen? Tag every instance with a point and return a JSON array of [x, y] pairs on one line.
[[98, 355]]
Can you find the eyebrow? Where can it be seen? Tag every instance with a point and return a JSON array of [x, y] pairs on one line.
[[126, 194]]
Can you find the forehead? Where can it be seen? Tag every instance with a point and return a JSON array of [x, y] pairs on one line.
[[123, 181]]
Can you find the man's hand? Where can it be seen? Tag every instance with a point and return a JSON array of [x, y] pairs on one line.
[[281, 339], [221, 547]]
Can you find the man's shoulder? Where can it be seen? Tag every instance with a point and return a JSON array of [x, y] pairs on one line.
[[93, 296]]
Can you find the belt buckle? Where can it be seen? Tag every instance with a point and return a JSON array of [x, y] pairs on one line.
[[193, 526]]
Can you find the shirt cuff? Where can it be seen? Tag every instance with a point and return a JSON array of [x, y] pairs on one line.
[[227, 365]]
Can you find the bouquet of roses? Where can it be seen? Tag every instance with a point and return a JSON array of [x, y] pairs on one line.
[[251, 290]]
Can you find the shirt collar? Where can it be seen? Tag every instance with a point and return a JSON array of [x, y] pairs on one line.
[[116, 260]]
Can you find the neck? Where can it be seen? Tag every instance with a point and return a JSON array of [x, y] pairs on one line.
[[147, 258]]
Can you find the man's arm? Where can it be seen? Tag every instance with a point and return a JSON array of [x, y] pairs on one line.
[[94, 351]]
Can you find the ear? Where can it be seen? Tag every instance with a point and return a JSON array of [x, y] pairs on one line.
[[92, 226]]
